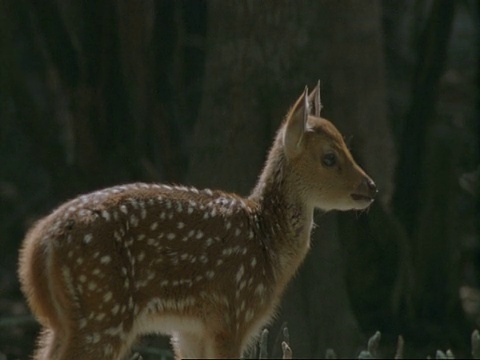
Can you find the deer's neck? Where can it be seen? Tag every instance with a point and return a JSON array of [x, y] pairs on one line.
[[285, 217]]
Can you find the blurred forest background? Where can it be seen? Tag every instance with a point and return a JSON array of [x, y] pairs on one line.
[[99, 93]]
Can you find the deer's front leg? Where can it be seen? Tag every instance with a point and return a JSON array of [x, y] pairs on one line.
[[189, 345]]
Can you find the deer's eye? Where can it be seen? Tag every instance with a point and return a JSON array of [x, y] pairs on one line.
[[329, 159]]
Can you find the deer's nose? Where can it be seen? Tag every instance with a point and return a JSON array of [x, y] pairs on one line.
[[365, 191], [370, 185]]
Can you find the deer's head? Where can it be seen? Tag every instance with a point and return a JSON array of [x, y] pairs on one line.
[[326, 174]]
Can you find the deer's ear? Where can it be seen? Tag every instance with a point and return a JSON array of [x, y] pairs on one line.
[[293, 136], [314, 101]]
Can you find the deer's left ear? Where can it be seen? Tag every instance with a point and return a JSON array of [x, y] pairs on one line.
[[293, 139], [314, 101]]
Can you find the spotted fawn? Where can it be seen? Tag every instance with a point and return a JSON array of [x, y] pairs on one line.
[[206, 267]]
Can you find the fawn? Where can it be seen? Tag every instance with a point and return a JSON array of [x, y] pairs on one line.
[[206, 267]]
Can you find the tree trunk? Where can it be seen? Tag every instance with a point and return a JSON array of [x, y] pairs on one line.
[[426, 200]]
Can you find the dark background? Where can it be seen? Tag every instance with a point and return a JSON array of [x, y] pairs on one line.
[[98, 93]]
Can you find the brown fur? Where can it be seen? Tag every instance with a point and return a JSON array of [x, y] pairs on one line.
[[204, 266]]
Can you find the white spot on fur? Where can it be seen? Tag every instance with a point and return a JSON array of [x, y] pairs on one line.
[[82, 323], [242, 284], [115, 331], [134, 220], [105, 259], [108, 296], [92, 285], [141, 256], [106, 215], [93, 338], [227, 251], [260, 289], [115, 309], [240, 272], [87, 238], [249, 315]]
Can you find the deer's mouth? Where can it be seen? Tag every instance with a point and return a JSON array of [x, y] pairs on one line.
[[361, 197]]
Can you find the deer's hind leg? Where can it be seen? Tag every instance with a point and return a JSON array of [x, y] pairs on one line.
[[224, 345], [49, 345]]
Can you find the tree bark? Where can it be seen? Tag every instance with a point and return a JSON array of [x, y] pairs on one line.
[[425, 201], [432, 49]]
